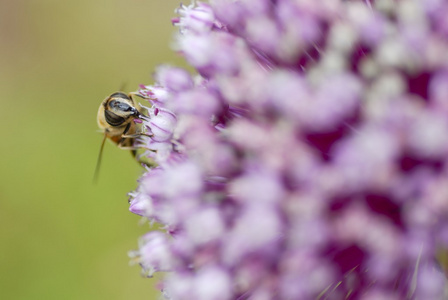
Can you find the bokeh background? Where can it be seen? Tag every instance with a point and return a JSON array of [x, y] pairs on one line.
[[61, 236]]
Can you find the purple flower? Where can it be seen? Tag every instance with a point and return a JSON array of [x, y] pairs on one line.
[[307, 157]]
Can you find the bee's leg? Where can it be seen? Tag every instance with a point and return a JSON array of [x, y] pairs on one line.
[[123, 137], [128, 147], [148, 161], [135, 94], [136, 135], [127, 140]]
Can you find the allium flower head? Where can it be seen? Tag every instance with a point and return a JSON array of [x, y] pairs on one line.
[[306, 159]]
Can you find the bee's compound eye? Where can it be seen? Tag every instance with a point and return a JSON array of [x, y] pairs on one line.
[[118, 105], [113, 119]]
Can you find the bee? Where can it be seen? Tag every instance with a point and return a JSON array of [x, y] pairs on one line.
[[118, 117]]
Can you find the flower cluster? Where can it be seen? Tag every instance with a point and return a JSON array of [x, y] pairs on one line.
[[307, 159]]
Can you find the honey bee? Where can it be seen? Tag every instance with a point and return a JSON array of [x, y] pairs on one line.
[[118, 117]]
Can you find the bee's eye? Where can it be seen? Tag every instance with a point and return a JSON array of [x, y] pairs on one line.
[[118, 105], [113, 119]]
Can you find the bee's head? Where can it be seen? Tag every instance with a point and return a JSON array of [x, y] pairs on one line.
[[119, 108]]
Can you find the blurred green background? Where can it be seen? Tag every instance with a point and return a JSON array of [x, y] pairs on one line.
[[61, 236]]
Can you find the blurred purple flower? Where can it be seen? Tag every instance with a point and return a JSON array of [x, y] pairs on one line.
[[307, 159]]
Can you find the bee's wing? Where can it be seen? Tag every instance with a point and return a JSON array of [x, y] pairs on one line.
[[98, 161]]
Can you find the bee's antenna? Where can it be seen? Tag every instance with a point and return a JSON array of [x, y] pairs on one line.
[[98, 161]]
